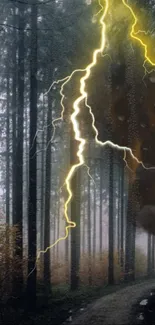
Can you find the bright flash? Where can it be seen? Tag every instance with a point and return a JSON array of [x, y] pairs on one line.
[[76, 107], [135, 36], [76, 110]]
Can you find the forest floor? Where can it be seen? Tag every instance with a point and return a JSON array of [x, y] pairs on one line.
[[115, 308], [86, 309]]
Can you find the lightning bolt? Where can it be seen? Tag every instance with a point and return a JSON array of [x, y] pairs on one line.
[[145, 32], [76, 111], [76, 129], [134, 34], [114, 145], [88, 173], [64, 82], [110, 143]]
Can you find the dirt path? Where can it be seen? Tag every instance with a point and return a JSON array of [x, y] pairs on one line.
[[113, 309]]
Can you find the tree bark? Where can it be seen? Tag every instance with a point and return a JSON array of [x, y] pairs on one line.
[[31, 281], [89, 230], [153, 242], [84, 215], [122, 218], [130, 236], [75, 216], [18, 217], [149, 255], [101, 203], [111, 231], [132, 255], [119, 212], [14, 113], [47, 271], [8, 150], [42, 180], [94, 224], [58, 222]]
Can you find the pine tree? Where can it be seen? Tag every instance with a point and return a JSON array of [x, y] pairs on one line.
[[31, 281], [47, 197], [75, 217], [111, 222]]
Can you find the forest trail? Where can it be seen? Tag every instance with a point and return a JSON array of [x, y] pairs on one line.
[[114, 309]]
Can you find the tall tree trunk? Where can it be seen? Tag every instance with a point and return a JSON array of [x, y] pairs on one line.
[[67, 248], [32, 207], [7, 185], [132, 254], [128, 244], [111, 230], [42, 180], [58, 222], [89, 229], [132, 133], [115, 187], [101, 205], [119, 212], [54, 226], [14, 114], [8, 150], [149, 255], [153, 242], [122, 217], [130, 236], [84, 219], [26, 139], [75, 217], [18, 218], [47, 273], [94, 223], [43, 164], [125, 213]]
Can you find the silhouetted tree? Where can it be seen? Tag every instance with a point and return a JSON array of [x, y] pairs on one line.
[[18, 147], [89, 223], [31, 281], [111, 221], [75, 217], [47, 196], [8, 147]]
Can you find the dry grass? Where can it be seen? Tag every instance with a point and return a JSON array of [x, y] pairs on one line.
[[97, 268], [92, 271], [10, 265]]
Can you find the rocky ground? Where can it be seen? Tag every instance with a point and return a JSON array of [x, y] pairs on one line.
[[113, 309]]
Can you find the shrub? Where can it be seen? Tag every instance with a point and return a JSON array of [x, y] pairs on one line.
[[98, 268], [10, 264]]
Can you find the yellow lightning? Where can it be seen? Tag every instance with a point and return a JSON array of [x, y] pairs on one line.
[[76, 110], [145, 32], [134, 34], [64, 81], [78, 138], [114, 145], [110, 143], [88, 173]]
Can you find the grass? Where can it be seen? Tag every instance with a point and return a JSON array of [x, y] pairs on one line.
[[56, 310], [58, 307]]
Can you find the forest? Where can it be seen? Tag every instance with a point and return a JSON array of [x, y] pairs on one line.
[[50, 265]]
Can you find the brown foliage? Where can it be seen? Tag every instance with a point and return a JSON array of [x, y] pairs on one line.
[[98, 268], [10, 264]]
